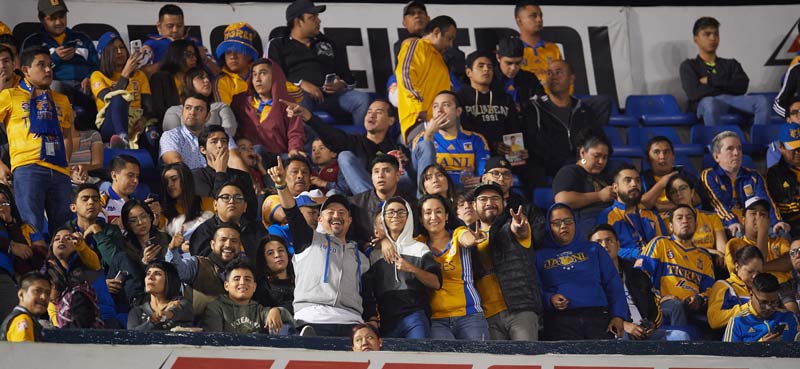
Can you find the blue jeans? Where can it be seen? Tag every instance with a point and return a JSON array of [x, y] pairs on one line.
[[351, 101], [415, 326], [115, 121], [471, 327], [354, 171], [39, 189], [712, 107], [674, 312]]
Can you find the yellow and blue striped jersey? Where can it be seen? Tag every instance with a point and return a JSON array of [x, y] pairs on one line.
[[421, 74], [634, 230], [677, 270], [726, 300], [458, 295], [466, 151], [749, 327], [536, 58]]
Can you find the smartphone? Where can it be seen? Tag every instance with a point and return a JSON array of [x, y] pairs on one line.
[[136, 46], [153, 241], [121, 275], [153, 196], [779, 329], [70, 43], [330, 79]]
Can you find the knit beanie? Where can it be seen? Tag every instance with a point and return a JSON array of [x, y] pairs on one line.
[[238, 37]]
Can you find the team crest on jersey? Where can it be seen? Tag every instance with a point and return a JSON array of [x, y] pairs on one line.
[[670, 254], [325, 48], [700, 264], [748, 190], [467, 146], [751, 330]]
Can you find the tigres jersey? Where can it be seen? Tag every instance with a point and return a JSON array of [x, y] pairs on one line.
[[634, 230], [458, 295], [466, 151], [536, 58], [138, 85], [228, 85], [492, 299], [726, 299], [421, 74], [677, 270], [777, 247]]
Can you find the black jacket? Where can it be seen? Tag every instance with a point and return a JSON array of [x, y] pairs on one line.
[[364, 207], [553, 141], [338, 141], [525, 84], [164, 94], [784, 188], [207, 182], [730, 79], [277, 293], [641, 290], [790, 89], [251, 234], [309, 63], [492, 114], [514, 266]]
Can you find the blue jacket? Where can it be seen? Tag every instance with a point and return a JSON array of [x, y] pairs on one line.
[[634, 230], [748, 327], [283, 232], [720, 192], [583, 272], [80, 66]]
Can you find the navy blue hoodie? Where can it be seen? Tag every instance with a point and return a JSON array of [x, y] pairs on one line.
[[582, 271]]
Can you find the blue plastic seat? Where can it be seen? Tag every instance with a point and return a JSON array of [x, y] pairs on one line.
[[658, 110], [144, 158], [763, 135], [747, 161], [543, 197], [731, 119], [639, 136], [703, 135], [620, 148], [325, 116], [355, 129]]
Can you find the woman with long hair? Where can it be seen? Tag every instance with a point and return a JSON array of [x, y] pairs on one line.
[[275, 274], [183, 208], [166, 84], [122, 93], [196, 81], [145, 243], [729, 297], [163, 306]]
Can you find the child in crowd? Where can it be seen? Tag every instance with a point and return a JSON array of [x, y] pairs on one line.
[[325, 172], [235, 54]]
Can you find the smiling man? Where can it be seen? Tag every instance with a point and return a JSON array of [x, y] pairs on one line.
[[635, 227], [329, 281], [22, 324]]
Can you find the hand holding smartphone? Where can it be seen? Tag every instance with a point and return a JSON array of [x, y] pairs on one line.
[[330, 79]]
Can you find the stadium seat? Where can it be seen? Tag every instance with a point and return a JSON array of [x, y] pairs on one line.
[[543, 197], [680, 160], [702, 135], [639, 136], [763, 135], [325, 116], [617, 119], [620, 148], [658, 110], [747, 161], [731, 119], [144, 158]]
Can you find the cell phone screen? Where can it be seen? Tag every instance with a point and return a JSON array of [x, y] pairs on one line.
[[330, 79]]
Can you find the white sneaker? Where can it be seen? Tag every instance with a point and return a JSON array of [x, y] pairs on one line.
[[308, 331]]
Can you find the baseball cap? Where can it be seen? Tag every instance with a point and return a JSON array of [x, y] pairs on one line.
[[755, 200], [299, 7], [340, 199], [496, 162], [414, 4], [50, 7], [487, 187], [104, 40], [789, 134]]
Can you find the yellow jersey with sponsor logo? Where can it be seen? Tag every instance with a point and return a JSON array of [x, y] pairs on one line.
[[776, 246], [458, 295], [138, 85], [25, 148], [677, 270]]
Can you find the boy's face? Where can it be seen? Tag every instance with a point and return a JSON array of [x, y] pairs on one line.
[[320, 154], [241, 285], [35, 297], [237, 62], [707, 39]]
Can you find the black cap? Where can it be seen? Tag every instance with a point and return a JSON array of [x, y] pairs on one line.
[[299, 7], [496, 162], [50, 7], [414, 4], [341, 199], [471, 58], [487, 187]]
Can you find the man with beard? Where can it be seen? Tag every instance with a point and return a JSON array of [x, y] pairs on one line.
[[681, 273], [329, 269], [506, 277], [635, 227], [206, 274]]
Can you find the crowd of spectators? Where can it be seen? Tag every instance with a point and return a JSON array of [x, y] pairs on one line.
[[264, 218]]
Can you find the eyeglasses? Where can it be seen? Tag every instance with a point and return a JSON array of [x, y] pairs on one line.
[[237, 199], [485, 199], [792, 253], [794, 112], [496, 174], [679, 189], [137, 220], [560, 222], [396, 213]]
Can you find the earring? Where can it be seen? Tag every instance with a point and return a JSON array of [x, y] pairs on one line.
[[583, 161]]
